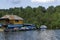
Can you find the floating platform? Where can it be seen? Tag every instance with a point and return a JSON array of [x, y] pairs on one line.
[[14, 23], [19, 27]]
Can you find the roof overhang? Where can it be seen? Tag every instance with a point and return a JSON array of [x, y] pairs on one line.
[[4, 19]]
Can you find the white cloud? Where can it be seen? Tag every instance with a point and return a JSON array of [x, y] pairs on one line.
[[42, 1]]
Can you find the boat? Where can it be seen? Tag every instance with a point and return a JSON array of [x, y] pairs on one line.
[[43, 27]]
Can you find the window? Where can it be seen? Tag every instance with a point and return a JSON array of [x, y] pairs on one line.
[[16, 20]]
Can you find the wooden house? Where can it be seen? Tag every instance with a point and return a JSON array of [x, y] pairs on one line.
[[12, 19]]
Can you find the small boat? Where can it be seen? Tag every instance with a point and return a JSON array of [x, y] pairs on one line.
[[43, 27]]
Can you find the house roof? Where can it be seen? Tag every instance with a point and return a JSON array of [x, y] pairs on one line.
[[15, 17]]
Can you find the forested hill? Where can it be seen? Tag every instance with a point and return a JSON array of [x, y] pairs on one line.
[[38, 16]]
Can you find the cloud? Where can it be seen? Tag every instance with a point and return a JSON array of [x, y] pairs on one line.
[[42, 1], [15, 1]]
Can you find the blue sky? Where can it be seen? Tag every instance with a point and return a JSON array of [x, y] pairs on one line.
[[5, 4]]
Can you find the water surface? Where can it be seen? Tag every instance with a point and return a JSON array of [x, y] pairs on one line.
[[31, 35]]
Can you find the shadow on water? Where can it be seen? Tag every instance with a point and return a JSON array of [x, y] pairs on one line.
[[30, 35]]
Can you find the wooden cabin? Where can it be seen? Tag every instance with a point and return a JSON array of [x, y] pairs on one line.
[[12, 19]]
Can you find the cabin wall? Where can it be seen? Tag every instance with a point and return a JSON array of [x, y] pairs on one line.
[[16, 21], [11, 21]]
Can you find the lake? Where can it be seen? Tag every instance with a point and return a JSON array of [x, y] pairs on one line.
[[31, 35]]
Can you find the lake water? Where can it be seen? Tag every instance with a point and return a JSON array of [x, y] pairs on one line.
[[31, 35]]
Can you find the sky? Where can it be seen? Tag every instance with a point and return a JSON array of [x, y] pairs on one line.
[[6, 4]]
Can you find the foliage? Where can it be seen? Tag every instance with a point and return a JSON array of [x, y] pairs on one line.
[[38, 16]]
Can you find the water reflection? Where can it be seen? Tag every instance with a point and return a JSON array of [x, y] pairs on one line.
[[2, 36], [48, 35], [30, 35]]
